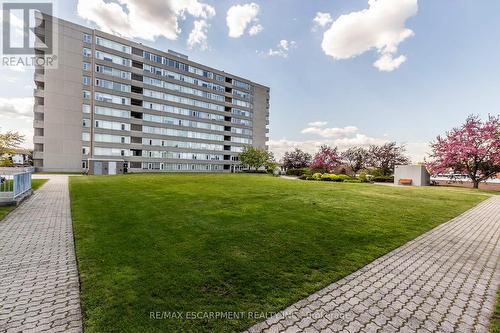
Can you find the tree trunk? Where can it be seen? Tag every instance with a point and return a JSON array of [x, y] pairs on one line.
[[475, 184]]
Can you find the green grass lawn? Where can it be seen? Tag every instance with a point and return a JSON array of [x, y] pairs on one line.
[[35, 184], [232, 242], [495, 320]]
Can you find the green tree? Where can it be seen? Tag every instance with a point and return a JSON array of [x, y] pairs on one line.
[[255, 157], [9, 141]]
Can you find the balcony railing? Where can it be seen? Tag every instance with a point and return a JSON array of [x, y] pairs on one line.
[[38, 92], [39, 77]]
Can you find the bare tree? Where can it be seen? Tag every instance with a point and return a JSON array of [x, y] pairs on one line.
[[355, 157], [386, 156]]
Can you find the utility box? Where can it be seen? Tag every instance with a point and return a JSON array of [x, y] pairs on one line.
[[105, 166], [415, 175]]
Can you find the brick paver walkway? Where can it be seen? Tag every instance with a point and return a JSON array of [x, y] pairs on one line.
[[39, 288], [443, 281]]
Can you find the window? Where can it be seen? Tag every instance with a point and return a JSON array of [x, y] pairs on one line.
[[100, 151], [86, 108], [86, 80], [86, 94], [112, 85], [241, 84], [187, 134], [112, 98], [239, 112], [86, 52], [113, 45], [84, 164], [86, 66], [113, 58], [112, 125], [182, 100], [112, 112], [113, 72], [85, 150], [111, 138], [86, 122], [85, 136], [87, 38]]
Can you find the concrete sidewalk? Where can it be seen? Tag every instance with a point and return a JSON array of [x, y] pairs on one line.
[[443, 281], [39, 286]]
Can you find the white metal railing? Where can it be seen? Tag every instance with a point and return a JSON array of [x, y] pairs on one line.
[[14, 183]]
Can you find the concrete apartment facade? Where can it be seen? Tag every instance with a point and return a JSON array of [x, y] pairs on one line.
[[114, 105]]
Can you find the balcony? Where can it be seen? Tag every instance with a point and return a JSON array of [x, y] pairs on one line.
[[38, 93], [39, 31], [38, 77], [38, 155], [37, 123], [38, 108]]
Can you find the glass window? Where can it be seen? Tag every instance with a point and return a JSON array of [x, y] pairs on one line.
[[87, 38], [113, 58], [86, 108], [86, 94], [113, 45], [86, 80], [86, 66], [86, 52]]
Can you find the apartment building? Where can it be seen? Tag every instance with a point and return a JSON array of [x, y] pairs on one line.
[[114, 105]]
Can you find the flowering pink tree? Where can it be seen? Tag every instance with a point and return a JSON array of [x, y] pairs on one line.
[[473, 149], [326, 158]]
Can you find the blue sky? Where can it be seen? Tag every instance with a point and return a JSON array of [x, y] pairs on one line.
[[332, 94]]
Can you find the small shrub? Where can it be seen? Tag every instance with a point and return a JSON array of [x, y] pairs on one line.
[[316, 176], [352, 181], [362, 177], [304, 177], [329, 177], [382, 179], [299, 172], [376, 172], [343, 177], [319, 170]]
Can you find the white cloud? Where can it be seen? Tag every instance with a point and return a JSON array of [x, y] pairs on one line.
[[255, 29], [282, 49], [240, 17], [387, 63], [146, 19], [417, 151], [321, 20], [16, 108], [380, 27], [333, 132], [198, 36], [318, 123]]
